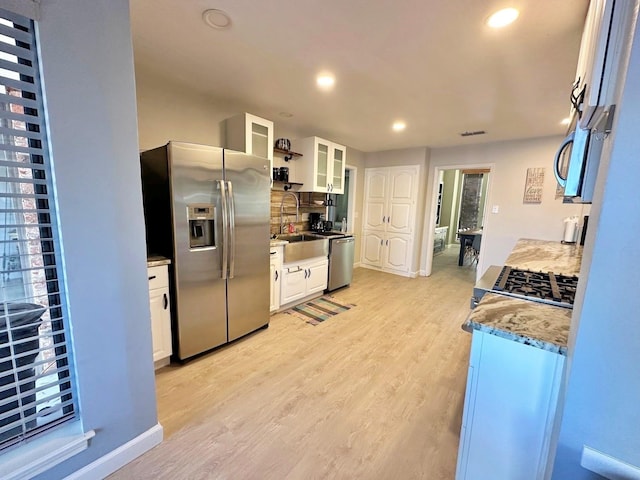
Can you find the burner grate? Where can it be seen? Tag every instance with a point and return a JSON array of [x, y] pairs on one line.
[[547, 287]]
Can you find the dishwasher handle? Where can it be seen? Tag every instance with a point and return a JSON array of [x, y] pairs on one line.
[[345, 240]]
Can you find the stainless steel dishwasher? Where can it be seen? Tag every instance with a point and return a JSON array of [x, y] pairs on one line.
[[340, 262]]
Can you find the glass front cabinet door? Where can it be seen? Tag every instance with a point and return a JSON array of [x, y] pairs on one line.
[[250, 134], [322, 166]]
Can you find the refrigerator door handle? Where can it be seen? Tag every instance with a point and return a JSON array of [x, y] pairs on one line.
[[232, 230], [225, 229]]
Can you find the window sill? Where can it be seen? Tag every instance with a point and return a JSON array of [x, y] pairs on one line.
[[44, 452]]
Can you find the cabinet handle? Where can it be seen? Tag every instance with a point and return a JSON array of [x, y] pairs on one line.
[[389, 219], [384, 218], [305, 273], [309, 273], [381, 242], [272, 253], [387, 243], [152, 277], [276, 275], [165, 301]]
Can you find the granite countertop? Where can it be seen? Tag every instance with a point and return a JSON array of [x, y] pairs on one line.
[[546, 256], [277, 243], [532, 323], [157, 260]]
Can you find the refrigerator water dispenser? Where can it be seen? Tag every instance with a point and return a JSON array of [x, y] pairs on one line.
[[201, 225]]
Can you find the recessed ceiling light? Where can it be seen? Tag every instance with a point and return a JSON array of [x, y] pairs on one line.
[[565, 121], [399, 126], [325, 81], [503, 17], [216, 19]]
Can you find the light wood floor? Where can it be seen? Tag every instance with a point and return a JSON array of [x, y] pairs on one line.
[[373, 393]]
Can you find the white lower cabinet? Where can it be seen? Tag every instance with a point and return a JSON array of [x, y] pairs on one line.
[[160, 314], [387, 251], [275, 262], [302, 279], [509, 410]]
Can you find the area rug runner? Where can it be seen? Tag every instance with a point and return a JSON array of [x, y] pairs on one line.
[[319, 309]]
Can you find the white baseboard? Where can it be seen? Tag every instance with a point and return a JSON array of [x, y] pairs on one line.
[[119, 457], [607, 466], [356, 265], [392, 272]]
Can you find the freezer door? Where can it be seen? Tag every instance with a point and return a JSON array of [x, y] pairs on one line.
[[196, 173], [248, 182]]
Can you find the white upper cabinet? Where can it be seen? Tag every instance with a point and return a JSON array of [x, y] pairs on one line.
[[250, 134], [321, 169]]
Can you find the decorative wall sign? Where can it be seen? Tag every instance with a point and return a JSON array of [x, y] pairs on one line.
[[533, 185]]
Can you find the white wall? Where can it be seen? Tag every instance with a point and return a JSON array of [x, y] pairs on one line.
[[407, 156], [602, 407], [170, 112], [509, 162], [89, 82]]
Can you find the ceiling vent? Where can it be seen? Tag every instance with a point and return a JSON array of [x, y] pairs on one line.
[[470, 134]]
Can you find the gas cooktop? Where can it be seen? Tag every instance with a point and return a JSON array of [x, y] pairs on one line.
[[546, 287]]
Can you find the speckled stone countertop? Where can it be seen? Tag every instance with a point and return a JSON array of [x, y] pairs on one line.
[[546, 256], [157, 260], [532, 323]]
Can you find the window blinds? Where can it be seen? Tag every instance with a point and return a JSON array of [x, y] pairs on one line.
[[35, 367]]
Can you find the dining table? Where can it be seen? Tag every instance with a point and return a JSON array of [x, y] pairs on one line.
[[466, 240]]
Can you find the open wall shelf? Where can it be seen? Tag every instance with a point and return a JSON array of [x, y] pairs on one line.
[[288, 154]]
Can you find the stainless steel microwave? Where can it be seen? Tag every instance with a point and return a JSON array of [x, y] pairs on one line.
[[601, 63], [578, 158]]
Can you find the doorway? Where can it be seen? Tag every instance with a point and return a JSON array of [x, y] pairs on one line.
[[342, 211], [459, 200]]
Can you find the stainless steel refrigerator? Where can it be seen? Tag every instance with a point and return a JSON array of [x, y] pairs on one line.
[[207, 209]]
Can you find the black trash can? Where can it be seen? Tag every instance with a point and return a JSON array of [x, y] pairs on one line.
[[24, 321]]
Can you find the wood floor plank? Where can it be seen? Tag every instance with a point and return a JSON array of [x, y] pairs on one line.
[[374, 392]]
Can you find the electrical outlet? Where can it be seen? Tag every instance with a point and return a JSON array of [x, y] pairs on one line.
[[495, 209]]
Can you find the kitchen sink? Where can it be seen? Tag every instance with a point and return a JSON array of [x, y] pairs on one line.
[[303, 246], [329, 234], [297, 237]]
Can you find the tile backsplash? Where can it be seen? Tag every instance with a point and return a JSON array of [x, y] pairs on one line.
[[307, 205]]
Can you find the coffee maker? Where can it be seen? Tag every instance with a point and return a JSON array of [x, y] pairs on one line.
[[317, 222]]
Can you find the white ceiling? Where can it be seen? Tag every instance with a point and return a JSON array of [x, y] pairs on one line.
[[432, 63]]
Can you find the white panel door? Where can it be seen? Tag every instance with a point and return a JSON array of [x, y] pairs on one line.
[[375, 185], [375, 201], [400, 218], [403, 191], [294, 284], [374, 216], [397, 252], [274, 303], [403, 184], [160, 323], [317, 276], [372, 247]]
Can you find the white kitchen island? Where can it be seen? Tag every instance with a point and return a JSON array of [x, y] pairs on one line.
[[517, 358]]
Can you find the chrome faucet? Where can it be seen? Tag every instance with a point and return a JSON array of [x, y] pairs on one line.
[[282, 208]]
